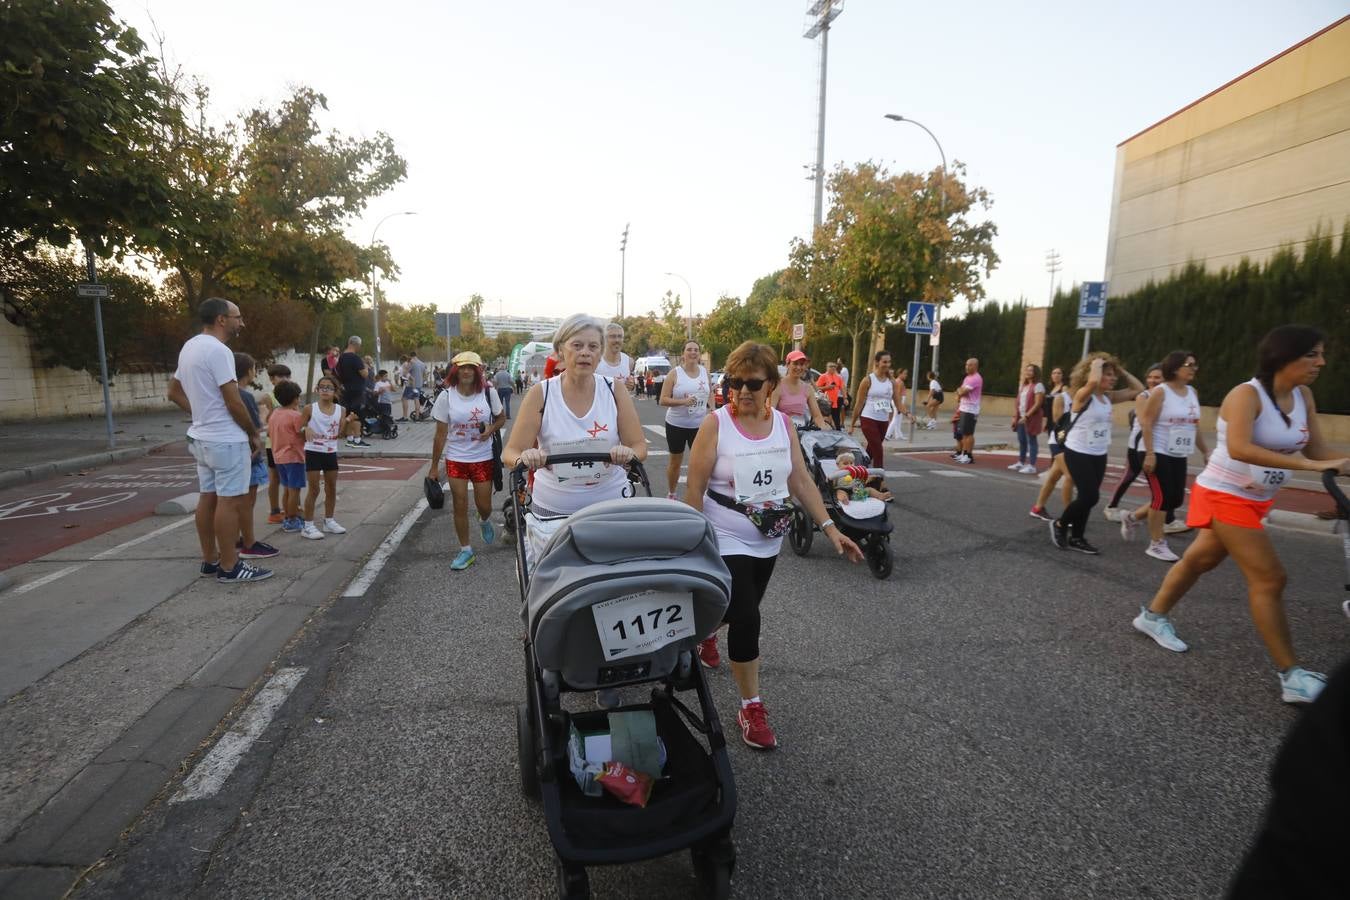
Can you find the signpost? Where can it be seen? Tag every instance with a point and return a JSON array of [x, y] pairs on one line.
[[799, 331], [92, 289], [447, 326], [1091, 310], [920, 319]]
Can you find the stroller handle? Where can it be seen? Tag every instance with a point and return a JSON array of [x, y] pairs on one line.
[[1329, 477], [634, 465]]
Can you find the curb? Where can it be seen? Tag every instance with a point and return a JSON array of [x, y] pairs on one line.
[[43, 471], [906, 447], [1297, 521], [182, 505], [5, 581]]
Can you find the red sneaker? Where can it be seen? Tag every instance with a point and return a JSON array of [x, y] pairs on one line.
[[276, 519], [755, 730], [707, 653]]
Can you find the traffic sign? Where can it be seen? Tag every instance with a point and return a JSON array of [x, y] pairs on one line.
[[936, 337], [1092, 305], [799, 331], [85, 289], [919, 318], [447, 325]]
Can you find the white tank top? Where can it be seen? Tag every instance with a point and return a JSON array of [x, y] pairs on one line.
[[1223, 473], [696, 386], [880, 400], [621, 371], [1051, 427], [1178, 421], [568, 488], [328, 427], [753, 471], [1091, 433]]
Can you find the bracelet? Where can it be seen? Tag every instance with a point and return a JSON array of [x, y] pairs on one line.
[[826, 524]]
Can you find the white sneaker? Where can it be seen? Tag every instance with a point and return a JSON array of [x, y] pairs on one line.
[[1299, 685], [332, 527], [964, 460], [311, 532], [1112, 513], [1028, 469], [1016, 467], [1160, 550], [1128, 524], [1161, 630], [1176, 526]]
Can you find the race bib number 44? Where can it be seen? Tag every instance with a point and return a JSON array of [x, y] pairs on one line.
[[761, 477], [580, 474], [643, 622]]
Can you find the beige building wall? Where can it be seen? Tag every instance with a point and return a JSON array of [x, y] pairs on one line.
[[1033, 336], [1257, 164]]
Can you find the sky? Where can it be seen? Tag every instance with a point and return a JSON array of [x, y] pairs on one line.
[[533, 131]]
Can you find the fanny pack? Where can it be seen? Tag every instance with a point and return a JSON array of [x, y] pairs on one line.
[[770, 521]]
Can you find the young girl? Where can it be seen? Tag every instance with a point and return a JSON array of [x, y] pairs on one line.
[[934, 400], [288, 450], [276, 374], [323, 422], [248, 547]]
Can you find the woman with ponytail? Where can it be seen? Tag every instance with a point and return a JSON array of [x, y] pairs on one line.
[[1267, 429]]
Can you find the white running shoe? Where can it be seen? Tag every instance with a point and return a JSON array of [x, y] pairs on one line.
[[964, 460], [1161, 630], [1015, 467], [1112, 513], [311, 532], [1160, 550], [1299, 685], [332, 527], [1128, 524], [1176, 526], [1028, 469]]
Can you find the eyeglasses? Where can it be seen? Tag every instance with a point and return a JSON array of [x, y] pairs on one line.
[[754, 384], [1191, 365], [325, 389]]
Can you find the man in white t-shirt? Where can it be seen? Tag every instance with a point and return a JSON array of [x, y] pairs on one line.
[[223, 439]]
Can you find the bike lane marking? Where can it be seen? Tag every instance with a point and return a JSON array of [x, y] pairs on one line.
[[111, 551]]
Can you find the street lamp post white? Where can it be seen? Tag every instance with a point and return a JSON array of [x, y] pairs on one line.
[[374, 294], [689, 322]]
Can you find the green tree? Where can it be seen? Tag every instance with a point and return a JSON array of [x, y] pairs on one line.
[[410, 327], [80, 104]]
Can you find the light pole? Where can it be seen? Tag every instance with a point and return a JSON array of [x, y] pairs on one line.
[[689, 322], [623, 267], [942, 199], [823, 12], [374, 296]]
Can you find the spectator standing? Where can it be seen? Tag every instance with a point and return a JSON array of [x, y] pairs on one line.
[[968, 405], [384, 394], [276, 374], [832, 383], [248, 547], [323, 422], [328, 361], [1028, 419], [351, 372], [222, 438], [503, 382], [934, 400], [288, 448], [414, 383]]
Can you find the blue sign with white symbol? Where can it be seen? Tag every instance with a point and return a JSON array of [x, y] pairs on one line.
[[919, 318], [1092, 304]]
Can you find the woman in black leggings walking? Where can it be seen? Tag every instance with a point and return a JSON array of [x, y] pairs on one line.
[[1093, 385]]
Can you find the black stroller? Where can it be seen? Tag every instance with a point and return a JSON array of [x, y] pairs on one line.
[[621, 594], [374, 420], [422, 403], [872, 533]]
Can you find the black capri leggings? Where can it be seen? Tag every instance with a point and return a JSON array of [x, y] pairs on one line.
[[1167, 484], [1087, 472], [749, 578]]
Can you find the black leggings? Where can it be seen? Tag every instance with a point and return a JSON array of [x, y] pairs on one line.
[[1087, 472], [1133, 466], [749, 578], [1167, 484]]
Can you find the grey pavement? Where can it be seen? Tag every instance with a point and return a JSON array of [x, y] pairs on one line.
[[985, 723]]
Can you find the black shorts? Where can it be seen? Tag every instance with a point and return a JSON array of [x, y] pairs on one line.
[[353, 398], [320, 462], [967, 425], [677, 438], [271, 463]]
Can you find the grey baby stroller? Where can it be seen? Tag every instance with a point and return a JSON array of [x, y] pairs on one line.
[[871, 531], [621, 595]]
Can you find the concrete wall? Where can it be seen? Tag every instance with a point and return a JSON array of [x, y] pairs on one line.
[[1033, 335], [1254, 165]]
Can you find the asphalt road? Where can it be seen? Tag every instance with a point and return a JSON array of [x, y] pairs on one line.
[[985, 723]]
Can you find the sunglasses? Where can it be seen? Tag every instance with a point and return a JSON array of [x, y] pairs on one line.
[[754, 384]]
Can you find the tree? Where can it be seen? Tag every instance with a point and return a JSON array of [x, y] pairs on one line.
[[80, 102], [410, 327], [505, 342]]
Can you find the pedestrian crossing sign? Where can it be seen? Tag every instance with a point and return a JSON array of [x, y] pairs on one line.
[[919, 318]]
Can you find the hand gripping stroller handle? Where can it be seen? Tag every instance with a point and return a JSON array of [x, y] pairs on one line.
[[1329, 482], [519, 469]]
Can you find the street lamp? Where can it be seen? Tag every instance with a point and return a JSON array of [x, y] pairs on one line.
[[942, 199], [374, 297], [689, 322]]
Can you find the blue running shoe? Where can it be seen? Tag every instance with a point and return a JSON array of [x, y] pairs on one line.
[[487, 531], [1298, 685], [293, 526], [463, 560]]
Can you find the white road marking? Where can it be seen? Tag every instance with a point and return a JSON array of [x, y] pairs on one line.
[[890, 474], [947, 474], [366, 577], [211, 773], [657, 430], [111, 551]]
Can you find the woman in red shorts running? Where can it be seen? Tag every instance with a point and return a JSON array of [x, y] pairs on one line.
[[1267, 428], [466, 417]]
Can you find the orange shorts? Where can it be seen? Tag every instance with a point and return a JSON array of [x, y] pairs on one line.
[[1208, 506]]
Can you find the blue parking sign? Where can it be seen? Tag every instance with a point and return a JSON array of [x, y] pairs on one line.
[[919, 317], [1092, 304]]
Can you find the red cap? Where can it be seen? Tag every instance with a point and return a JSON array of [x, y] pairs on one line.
[[795, 355]]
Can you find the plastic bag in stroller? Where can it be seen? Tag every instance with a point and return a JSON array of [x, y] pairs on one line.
[[865, 522], [621, 595]]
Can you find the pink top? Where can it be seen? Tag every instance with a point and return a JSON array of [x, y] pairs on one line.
[[288, 444], [793, 404]]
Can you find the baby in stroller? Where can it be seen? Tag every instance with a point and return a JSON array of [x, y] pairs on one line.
[[852, 492], [852, 484]]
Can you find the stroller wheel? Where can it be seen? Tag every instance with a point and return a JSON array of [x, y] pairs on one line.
[[713, 868], [879, 557], [572, 882], [508, 517], [529, 773], [800, 532]]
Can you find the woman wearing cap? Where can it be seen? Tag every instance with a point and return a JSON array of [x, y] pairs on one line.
[[795, 397], [1268, 428], [467, 414], [685, 394], [832, 383], [879, 396], [747, 460]]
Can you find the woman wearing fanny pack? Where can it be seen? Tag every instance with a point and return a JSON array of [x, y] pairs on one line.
[[748, 461], [1267, 429]]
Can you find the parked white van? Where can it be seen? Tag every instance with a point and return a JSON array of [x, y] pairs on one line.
[[654, 369]]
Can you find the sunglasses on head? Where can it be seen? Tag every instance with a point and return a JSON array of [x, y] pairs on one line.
[[753, 384]]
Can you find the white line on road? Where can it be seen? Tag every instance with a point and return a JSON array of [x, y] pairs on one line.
[[366, 577], [211, 773], [946, 474], [657, 430], [111, 551], [890, 474]]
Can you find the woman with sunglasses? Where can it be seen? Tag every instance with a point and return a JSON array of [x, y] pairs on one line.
[[1169, 421], [795, 397], [685, 394], [744, 465], [1267, 429], [879, 396]]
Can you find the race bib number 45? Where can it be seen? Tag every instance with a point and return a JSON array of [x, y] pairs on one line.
[[761, 477], [643, 622]]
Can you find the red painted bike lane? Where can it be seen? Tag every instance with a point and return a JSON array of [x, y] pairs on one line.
[[37, 519]]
